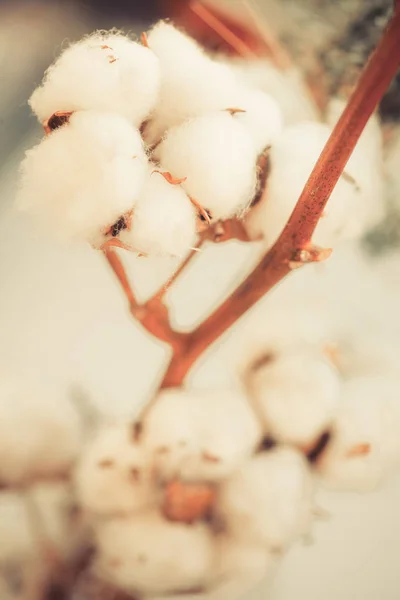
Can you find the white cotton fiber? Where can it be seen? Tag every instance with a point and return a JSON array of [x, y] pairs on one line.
[[191, 83], [218, 158], [147, 554], [113, 475], [295, 395], [201, 436], [269, 499], [352, 208], [104, 72], [164, 219], [82, 177], [262, 117], [365, 445], [40, 432]]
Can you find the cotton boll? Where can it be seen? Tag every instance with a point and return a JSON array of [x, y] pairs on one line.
[[350, 211], [191, 83], [262, 118], [269, 499], [114, 475], [80, 179], [200, 435], [164, 221], [40, 432], [238, 568], [105, 72], [365, 444], [295, 394], [149, 555], [218, 158]]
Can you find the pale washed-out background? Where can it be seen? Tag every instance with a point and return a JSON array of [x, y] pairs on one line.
[[63, 317]]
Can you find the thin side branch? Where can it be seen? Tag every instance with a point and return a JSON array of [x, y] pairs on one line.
[[296, 236]]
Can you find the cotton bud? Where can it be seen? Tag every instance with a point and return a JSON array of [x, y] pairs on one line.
[[292, 158], [191, 83], [80, 179], [146, 554], [164, 220], [365, 445], [40, 432], [114, 475], [260, 114], [295, 394], [104, 72], [217, 157], [200, 435], [269, 499]]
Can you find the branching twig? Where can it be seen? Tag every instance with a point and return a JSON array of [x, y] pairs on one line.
[[293, 246], [275, 265]]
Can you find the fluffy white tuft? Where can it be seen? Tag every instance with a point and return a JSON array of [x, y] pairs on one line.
[[352, 208], [269, 499], [147, 554], [82, 177], [164, 220], [40, 432], [104, 72], [191, 83], [218, 158], [295, 394], [200, 435], [365, 445], [113, 475], [262, 118]]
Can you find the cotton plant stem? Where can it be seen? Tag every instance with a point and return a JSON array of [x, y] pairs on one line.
[[296, 236]]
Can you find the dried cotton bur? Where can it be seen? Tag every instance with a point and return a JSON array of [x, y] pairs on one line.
[[147, 145]]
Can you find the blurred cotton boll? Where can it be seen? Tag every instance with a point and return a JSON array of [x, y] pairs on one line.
[[201, 435], [292, 158], [82, 177], [192, 84], [40, 432], [217, 157], [164, 220], [365, 444], [269, 499], [295, 393], [149, 555], [105, 72], [113, 475]]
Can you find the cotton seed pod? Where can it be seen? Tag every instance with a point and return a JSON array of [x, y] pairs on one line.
[[261, 116], [365, 444], [104, 72], [200, 436], [82, 177], [113, 475], [292, 157], [40, 432], [192, 84], [146, 554], [269, 499], [164, 220], [295, 394], [217, 157]]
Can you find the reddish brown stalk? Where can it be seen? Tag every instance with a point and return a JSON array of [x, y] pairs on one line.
[[153, 315], [296, 236]]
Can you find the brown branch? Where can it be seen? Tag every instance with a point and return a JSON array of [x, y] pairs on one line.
[[296, 236], [153, 315]]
